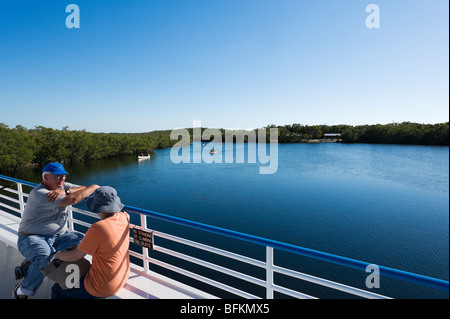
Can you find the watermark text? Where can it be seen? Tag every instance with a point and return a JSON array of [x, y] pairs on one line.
[[207, 153]]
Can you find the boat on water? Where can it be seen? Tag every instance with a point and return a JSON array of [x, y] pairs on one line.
[[213, 151], [141, 157], [172, 272]]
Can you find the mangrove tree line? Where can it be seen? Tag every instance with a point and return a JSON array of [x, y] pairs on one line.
[[21, 147]]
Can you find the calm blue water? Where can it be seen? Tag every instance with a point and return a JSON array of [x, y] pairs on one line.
[[384, 204]]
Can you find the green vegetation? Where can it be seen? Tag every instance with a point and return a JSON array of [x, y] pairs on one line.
[[395, 133], [20, 147]]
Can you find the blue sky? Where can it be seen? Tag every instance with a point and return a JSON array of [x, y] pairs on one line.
[[138, 66]]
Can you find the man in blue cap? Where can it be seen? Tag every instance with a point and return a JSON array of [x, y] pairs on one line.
[[43, 227]]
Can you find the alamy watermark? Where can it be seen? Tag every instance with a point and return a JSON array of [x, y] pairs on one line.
[[73, 19], [373, 279], [73, 277], [373, 19], [256, 147]]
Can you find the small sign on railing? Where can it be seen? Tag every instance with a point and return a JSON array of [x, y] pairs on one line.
[[143, 238]]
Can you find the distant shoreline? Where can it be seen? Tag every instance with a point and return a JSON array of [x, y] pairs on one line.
[[21, 147]]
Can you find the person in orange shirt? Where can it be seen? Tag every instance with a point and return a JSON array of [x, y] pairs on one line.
[[107, 241]]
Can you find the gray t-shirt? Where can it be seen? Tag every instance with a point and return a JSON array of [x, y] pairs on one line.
[[42, 217]]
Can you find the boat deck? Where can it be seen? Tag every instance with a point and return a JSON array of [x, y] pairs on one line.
[[140, 285], [10, 259], [208, 264]]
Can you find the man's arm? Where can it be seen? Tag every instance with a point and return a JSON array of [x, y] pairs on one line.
[[75, 189], [53, 195], [77, 196], [69, 255]]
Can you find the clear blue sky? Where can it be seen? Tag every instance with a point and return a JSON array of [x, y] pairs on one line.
[[138, 66]]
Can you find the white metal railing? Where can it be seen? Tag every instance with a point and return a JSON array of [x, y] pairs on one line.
[[267, 265]]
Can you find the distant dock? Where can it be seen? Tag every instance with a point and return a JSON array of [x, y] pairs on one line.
[[328, 138]]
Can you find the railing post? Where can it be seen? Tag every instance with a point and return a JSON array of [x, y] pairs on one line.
[[21, 201], [144, 249], [70, 218], [269, 272]]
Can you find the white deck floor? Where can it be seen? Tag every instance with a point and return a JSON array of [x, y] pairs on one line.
[[9, 259]]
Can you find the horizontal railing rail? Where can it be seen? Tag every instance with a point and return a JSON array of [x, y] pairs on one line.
[[267, 265], [343, 261]]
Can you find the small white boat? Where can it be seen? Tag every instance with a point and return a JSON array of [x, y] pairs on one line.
[[143, 157]]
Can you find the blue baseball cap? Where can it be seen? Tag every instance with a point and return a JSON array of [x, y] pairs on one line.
[[55, 168]]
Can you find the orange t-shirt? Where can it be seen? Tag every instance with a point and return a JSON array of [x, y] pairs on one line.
[[107, 242]]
